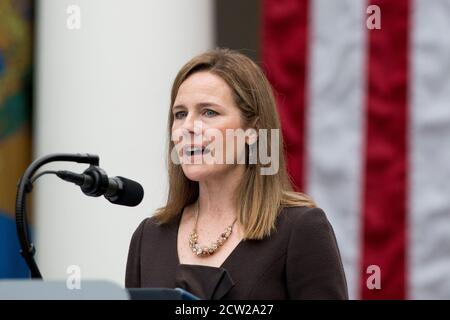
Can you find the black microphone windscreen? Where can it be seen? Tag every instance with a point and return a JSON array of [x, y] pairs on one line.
[[131, 195]]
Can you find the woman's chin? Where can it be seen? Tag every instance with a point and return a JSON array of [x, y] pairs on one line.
[[199, 172]]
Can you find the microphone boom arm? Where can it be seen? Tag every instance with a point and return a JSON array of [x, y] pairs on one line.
[[24, 187]]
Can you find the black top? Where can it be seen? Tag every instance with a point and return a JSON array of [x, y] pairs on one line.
[[300, 260]]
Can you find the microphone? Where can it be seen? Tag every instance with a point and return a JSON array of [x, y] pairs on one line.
[[94, 182]]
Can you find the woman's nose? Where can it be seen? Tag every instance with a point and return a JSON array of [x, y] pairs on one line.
[[188, 123], [191, 124]]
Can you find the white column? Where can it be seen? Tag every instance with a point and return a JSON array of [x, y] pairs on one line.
[[104, 89]]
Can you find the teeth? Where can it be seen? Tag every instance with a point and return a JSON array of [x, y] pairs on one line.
[[193, 149]]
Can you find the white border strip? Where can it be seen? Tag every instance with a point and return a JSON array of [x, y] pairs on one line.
[[429, 245]]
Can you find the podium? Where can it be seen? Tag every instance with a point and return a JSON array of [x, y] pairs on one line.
[[89, 290]]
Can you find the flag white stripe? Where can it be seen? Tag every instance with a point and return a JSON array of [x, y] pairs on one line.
[[429, 245], [335, 122]]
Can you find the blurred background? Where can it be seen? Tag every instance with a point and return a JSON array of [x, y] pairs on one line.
[[363, 91]]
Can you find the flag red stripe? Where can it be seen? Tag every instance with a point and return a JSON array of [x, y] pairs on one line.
[[385, 185], [285, 47]]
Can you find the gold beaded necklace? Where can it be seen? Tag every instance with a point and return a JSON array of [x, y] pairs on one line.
[[202, 251]]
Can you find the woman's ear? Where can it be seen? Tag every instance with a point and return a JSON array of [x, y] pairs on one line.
[[255, 123], [251, 135]]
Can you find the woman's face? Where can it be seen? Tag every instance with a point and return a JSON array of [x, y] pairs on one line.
[[203, 110]]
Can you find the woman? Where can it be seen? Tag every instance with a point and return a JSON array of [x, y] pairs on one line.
[[230, 230]]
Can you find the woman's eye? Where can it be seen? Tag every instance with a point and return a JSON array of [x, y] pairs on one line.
[[210, 113], [180, 114]]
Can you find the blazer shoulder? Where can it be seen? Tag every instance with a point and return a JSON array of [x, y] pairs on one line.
[[304, 216], [151, 231], [314, 266]]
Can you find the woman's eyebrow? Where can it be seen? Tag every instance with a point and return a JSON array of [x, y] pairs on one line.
[[178, 106], [198, 105], [207, 104]]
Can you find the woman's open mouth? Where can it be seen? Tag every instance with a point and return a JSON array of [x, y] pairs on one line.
[[195, 150]]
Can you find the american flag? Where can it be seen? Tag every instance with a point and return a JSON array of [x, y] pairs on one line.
[[365, 114]]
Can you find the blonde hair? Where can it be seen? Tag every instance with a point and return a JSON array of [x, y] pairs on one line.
[[259, 198]]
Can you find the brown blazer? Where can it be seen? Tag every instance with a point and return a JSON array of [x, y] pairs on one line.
[[300, 260]]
